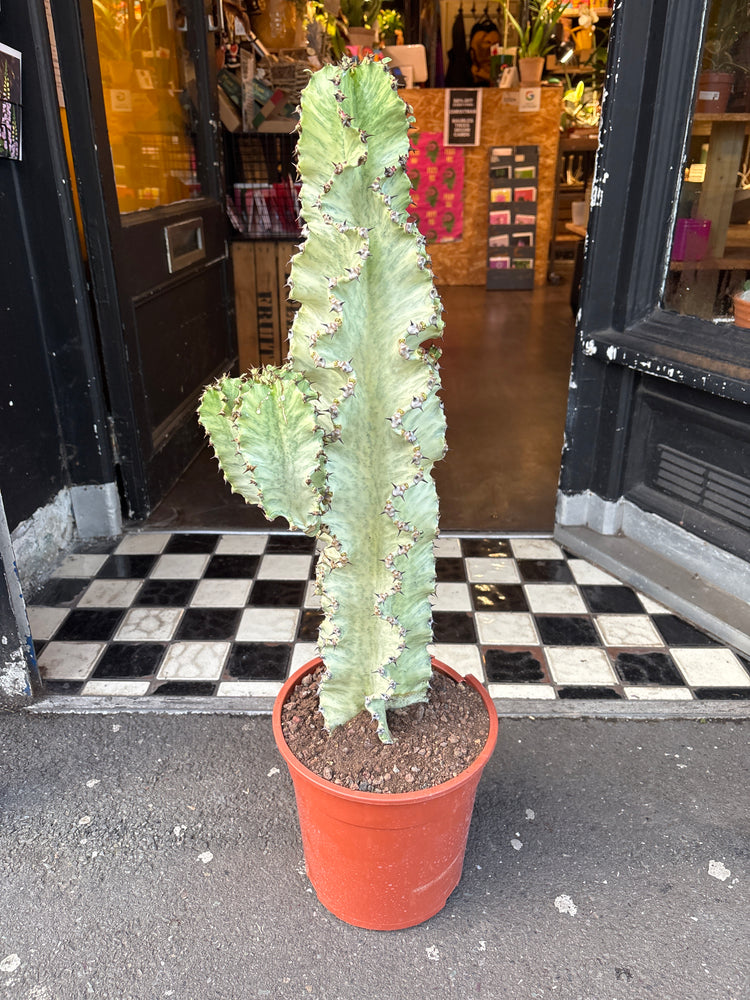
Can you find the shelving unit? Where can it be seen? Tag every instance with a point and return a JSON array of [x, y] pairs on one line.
[[728, 246]]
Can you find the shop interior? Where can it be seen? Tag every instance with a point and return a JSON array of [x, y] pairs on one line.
[[506, 244]]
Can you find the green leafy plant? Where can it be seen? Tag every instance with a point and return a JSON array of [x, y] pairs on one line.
[[581, 108], [390, 23], [361, 13], [341, 439], [535, 34]]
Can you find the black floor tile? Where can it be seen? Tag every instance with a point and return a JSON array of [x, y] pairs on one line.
[[127, 567], [611, 600], [676, 632], [589, 691], [82, 625], [482, 547], [309, 623], [229, 567], [165, 593], [277, 593], [95, 546], [209, 624], [191, 544], [544, 571], [513, 666], [290, 545], [193, 689], [450, 570], [254, 661], [498, 597], [567, 630], [647, 668], [60, 591], [722, 694], [453, 626], [63, 687], [127, 660]]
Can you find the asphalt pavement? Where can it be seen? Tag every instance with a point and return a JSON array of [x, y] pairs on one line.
[[150, 856]]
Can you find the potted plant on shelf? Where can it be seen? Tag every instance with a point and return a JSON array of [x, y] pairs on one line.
[[535, 35], [361, 17], [728, 25], [341, 440]]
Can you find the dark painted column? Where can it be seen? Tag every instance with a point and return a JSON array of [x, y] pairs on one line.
[[19, 675]]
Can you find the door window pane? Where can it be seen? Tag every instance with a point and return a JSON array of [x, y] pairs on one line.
[[710, 257], [149, 94]]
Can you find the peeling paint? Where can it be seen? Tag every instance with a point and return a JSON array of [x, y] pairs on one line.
[[611, 352], [14, 677], [589, 348]]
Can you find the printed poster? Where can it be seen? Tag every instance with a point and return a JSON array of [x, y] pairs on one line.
[[436, 173]]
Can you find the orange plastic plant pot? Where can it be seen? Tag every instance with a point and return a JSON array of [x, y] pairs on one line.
[[384, 861]]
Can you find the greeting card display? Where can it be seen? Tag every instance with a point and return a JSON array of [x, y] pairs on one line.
[[436, 173], [511, 229]]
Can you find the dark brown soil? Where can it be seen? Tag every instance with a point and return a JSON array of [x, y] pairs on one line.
[[432, 742]]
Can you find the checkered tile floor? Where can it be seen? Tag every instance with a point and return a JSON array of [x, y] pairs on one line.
[[233, 614]]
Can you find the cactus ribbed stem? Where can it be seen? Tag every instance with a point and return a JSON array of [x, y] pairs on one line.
[[359, 371]]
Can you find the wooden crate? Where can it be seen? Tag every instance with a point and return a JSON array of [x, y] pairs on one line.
[[264, 313]]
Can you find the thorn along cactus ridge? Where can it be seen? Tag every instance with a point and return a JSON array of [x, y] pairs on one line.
[[342, 438]]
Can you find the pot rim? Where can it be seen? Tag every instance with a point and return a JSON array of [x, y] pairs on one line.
[[378, 799]]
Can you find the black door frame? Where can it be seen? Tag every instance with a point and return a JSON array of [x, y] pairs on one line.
[[627, 346], [76, 45]]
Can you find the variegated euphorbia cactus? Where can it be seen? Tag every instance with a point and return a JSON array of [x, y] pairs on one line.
[[342, 438]]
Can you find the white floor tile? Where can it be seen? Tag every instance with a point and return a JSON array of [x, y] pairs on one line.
[[145, 544], [452, 597], [80, 566], [312, 600], [110, 594], [521, 691], [194, 661], [554, 598], [248, 689], [284, 567], [179, 567], [149, 625], [653, 607], [268, 625], [447, 548], [536, 548], [44, 621], [586, 573], [302, 653], [103, 688], [461, 657], [241, 545], [628, 630], [710, 667], [483, 569], [506, 628], [221, 594], [657, 694], [69, 661], [579, 665]]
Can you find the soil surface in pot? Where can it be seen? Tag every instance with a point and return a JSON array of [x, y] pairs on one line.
[[432, 742]]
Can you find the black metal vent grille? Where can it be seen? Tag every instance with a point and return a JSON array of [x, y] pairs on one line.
[[704, 487]]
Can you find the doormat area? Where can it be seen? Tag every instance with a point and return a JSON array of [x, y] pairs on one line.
[[160, 615]]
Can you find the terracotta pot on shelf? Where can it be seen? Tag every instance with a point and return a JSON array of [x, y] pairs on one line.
[[714, 91], [384, 861], [530, 68], [741, 312]]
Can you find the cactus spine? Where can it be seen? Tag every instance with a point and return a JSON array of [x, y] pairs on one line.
[[342, 438]]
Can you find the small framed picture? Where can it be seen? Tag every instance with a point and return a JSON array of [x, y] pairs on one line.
[[501, 218], [500, 195]]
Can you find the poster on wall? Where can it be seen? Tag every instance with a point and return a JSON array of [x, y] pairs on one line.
[[436, 173], [10, 103], [511, 222], [463, 114]]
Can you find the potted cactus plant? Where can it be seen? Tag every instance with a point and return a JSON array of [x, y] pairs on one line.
[[341, 440]]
